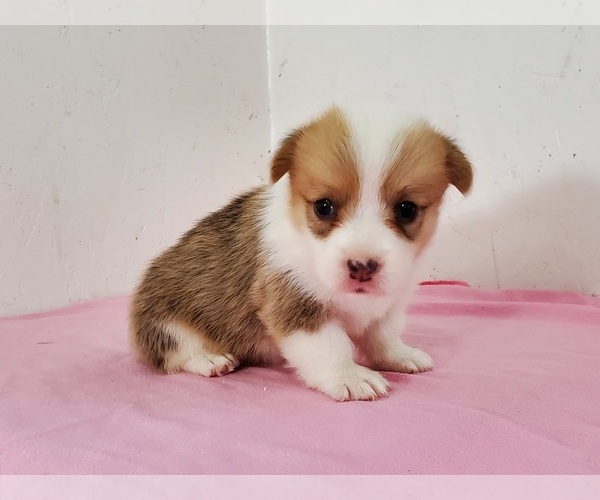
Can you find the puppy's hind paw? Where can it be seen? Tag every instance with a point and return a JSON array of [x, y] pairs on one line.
[[211, 365]]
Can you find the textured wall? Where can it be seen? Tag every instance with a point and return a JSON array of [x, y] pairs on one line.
[[112, 142]]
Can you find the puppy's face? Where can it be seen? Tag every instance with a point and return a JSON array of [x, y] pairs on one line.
[[366, 199]]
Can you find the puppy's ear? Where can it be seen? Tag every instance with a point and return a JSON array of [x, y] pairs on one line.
[[326, 132], [284, 156], [458, 167]]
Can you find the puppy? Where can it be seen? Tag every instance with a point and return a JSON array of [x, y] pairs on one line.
[[315, 269]]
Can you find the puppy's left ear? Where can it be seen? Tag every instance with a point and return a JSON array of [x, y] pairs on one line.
[[284, 156], [458, 167]]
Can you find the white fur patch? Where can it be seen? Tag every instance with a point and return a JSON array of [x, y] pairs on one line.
[[324, 360], [193, 357], [286, 244], [210, 365], [389, 351]]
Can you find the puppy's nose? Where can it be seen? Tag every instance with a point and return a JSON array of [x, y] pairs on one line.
[[362, 271]]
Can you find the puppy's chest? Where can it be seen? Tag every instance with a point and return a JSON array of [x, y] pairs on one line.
[[358, 312]]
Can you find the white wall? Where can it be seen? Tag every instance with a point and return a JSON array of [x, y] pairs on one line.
[[112, 142], [523, 101]]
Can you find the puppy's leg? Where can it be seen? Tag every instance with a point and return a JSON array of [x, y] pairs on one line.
[[385, 350], [174, 347], [193, 356], [323, 359]]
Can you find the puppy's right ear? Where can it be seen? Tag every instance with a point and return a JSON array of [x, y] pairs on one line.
[[284, 156]]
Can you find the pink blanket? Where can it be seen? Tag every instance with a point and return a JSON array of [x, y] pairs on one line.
[[516, 389]]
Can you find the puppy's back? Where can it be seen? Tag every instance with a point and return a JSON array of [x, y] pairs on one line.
[[202, 284]]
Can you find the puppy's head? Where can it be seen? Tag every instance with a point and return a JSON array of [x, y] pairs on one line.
[[365, 197]]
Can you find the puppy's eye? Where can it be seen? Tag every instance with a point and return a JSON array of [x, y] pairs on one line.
[[324, 208], [406, 211]]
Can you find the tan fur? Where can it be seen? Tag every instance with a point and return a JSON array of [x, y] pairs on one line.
[[321, 164], [284, 156], [284, 308], [424, 164]]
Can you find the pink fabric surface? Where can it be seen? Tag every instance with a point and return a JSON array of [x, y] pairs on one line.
[[515, 390]]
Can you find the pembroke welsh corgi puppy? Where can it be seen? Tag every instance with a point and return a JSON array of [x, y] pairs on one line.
[[315, 269]]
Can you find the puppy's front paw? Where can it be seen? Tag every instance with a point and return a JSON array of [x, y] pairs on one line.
[[405, 360], [355, 383]]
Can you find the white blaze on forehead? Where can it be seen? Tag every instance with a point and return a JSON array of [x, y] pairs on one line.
[[377, 134], [376, 138]]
